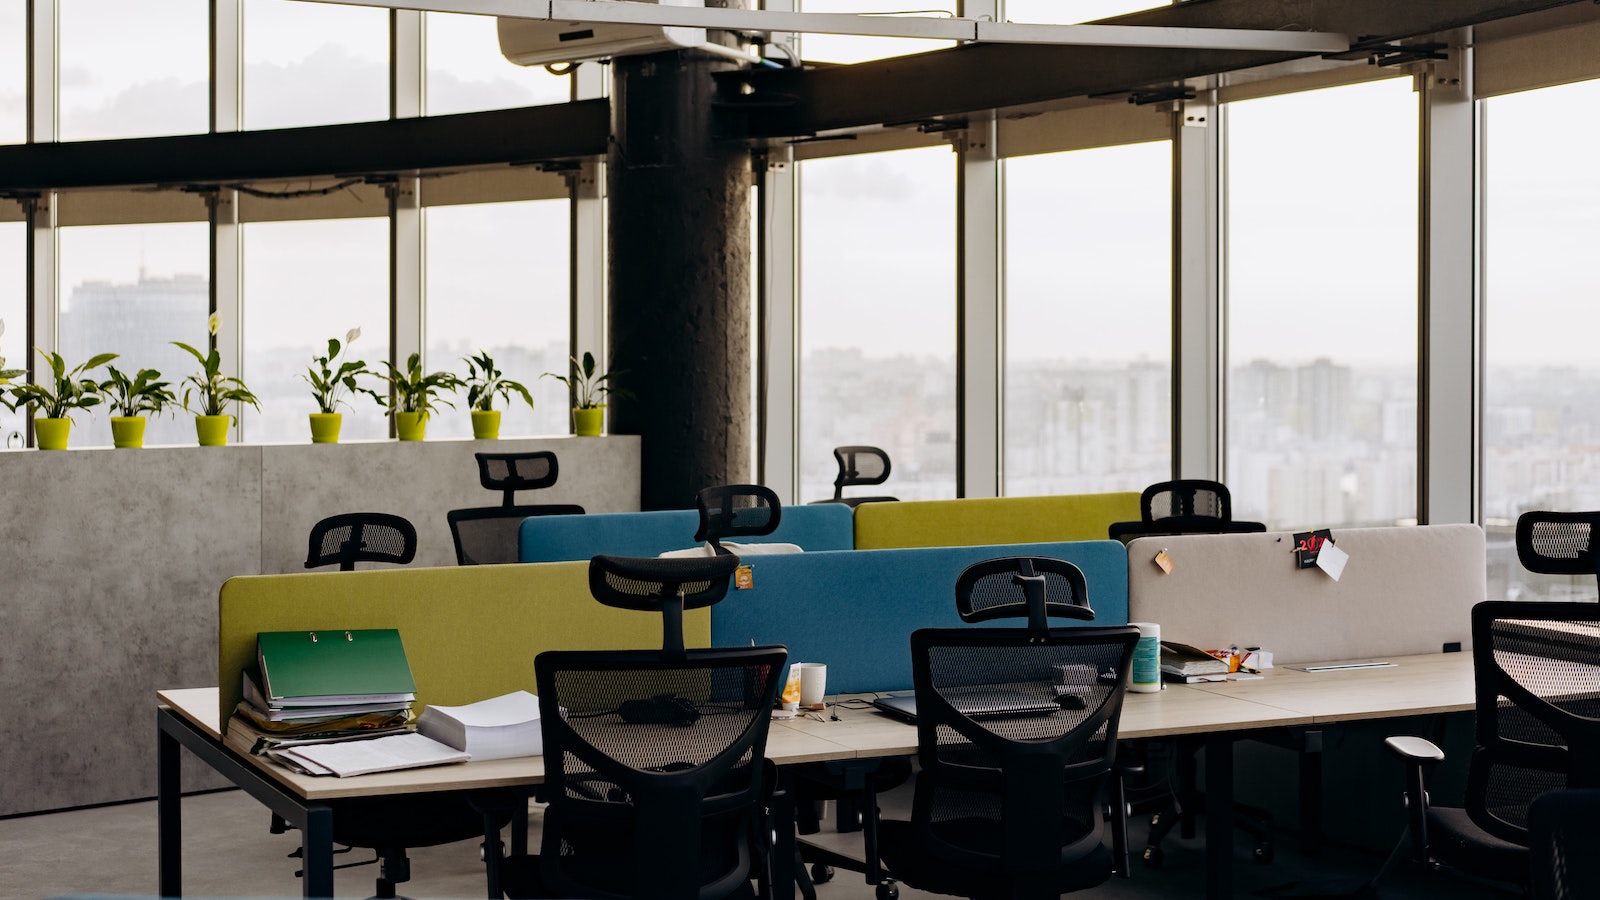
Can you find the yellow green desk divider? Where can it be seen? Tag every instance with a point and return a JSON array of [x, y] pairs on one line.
[[976, 521], [470, 632], [333, 663]]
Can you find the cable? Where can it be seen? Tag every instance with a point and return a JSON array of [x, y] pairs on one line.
[[290, 195]]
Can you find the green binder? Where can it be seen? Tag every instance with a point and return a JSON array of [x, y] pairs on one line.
[[330, 667]]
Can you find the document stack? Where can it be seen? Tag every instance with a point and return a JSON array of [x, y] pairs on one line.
[[332, 703], [1181, 662], [498, 728]]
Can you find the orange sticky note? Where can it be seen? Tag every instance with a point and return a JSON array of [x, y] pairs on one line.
[[1164, 562], [744, 578]]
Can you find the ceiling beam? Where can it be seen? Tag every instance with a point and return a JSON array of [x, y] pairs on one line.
[[976, 77]]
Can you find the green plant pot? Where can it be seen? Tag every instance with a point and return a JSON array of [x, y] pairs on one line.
[[127, 432], [486, 424], [212, 431], [587, 422], [410, 426], [325, 427], [52, 433]]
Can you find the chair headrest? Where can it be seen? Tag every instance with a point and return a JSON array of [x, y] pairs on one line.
[[1031, 587], [512, 472], [1186, 497], [1558, 543], [626, 582], [860, 465], [735, 511]]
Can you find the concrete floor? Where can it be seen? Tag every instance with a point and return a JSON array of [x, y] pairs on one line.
[[229, 853]]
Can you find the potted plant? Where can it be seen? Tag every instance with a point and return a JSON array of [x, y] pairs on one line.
[[68, 390], [133, 399], [331, 378], [213, 393], [414, 395], [484, 382], [587, 388]]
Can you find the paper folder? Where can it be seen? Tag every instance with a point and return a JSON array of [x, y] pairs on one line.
[[352, 666]]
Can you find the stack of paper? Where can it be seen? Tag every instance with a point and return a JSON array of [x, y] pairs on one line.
[[1181, 662], [384, 754], [498, 728]]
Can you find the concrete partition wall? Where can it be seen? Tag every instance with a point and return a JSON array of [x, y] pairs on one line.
[[111, 562]]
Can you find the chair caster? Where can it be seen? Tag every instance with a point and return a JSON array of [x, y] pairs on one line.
[[1264, 853], [888, 890], [821, 874], [1152, 857]]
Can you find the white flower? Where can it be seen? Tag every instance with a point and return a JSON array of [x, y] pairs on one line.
[[351, 335], [214, 322]]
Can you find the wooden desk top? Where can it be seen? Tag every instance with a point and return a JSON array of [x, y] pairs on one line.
[[1414, 686]]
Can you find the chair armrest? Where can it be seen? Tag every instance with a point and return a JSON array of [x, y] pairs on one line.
[[1413, 749]]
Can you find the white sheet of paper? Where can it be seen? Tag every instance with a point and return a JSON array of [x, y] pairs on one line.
[[1331, 559]]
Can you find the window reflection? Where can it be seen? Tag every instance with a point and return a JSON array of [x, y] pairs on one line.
[[846, 48], [877, 306], [314, 64], [1088, 386], [1541, 415], [132, 290], [467, 73], [498, 282], [306, 282], [13, 73], [1322, 306], [132, 69], [14, 312], [1055, 12]]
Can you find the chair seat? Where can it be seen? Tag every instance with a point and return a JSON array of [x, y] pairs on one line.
[[419, 820], [909, 862], [1457, 841]]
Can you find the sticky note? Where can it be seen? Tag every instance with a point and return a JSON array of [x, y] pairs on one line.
[[1163, 562], [744, 578], [1331, 559]]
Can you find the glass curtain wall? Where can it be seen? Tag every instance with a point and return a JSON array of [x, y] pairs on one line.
[[133, 290], [13, 73], [877, 317], [314, 64], [306, 282], [132, 69], [1541, 385], [1321, 293], [847, 48], [1055, 12], [14, 349], [1088, 313], [466, 72], [497, 281]]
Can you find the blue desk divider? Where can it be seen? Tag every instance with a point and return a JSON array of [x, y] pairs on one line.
[[854, 611], [827, 526]]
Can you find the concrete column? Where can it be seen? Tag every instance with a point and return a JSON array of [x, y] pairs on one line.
[[679, 239]]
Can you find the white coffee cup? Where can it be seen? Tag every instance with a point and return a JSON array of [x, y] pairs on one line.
[[813, 683]]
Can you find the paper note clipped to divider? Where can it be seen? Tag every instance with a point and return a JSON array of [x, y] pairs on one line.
[[1331, 560]]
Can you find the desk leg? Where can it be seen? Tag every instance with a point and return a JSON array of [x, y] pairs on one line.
[[783, 846], [1219, 817], [1311, 793], [169, 814], [316, 847]]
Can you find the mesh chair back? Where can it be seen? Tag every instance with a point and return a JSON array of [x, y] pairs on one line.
[[652, 764], [361, 537], [1127, 531], [1559, 543], [1016, 794], [1537, 673], [1186, 497], [735, 511], [1565, 830], [999, 588], [512, 472], [639, 583], [859, 465], [488, 535]]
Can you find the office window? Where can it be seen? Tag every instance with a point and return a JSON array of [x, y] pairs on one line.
[[498, 281], [13, 73], [132, 69], [467, 73], [14, 312], [878, 325], [1088, 377], [305, 282], [847, 48], [1055, 12], [295, 52], [1541, 385], [132, 290], [1321, 282]]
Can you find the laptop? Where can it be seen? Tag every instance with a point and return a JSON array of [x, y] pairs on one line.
[[975, 703]]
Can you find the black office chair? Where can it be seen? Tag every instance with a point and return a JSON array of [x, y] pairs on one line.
[[1563, 834], [1185, 506], [858, 466], [1559, 543], [1012, 805], [654, 760], [736, 511], [488, 535], [1537, 727], [361, 537]]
